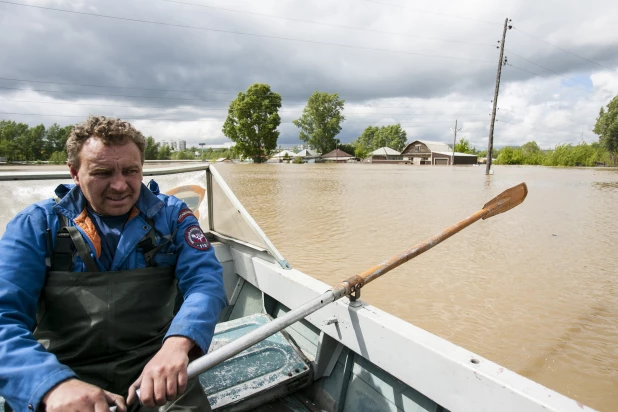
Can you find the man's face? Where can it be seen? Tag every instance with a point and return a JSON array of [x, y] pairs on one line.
[[110, 176]]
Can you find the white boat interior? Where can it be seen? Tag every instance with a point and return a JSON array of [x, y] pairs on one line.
[[348, 356]]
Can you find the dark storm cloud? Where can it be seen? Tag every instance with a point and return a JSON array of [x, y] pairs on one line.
[[193, 74]]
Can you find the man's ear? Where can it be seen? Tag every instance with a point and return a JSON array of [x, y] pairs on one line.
[[74, 174]]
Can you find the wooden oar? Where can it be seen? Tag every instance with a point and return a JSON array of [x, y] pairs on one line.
[[500, 204]]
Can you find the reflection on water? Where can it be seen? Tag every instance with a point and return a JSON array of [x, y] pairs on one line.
[[535, 289]]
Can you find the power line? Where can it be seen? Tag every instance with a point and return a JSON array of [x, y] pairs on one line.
[[533, 128], [564, 50], [341, 26], [548, 69], [527, 71], [545, 77], [431, 12], [246, 34]]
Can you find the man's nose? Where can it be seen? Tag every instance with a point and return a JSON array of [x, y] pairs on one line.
[[119, 183]]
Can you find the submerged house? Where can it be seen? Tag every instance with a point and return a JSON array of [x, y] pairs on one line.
[[425, 152], [308, 155], [386, 155], [338, 156], [283, 156]]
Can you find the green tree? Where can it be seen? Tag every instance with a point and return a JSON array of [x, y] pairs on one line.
[[321, 121], [152, 149], [165, 153], [360, 151], [183, 155], [374, 137], [607, 128], [10, 133], [56, 139], [392, 136], [59, 157], [510, 156], [252, 121], [532, 154], [367, 140], [31, 143], [348, 148], [463, 146]]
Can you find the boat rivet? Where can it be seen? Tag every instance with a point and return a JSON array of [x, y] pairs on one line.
[[145, 227], [296, 370], [475, 361], [304, 368], [289, 373]]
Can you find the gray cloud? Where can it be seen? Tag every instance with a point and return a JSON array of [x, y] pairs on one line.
[[192, 74]]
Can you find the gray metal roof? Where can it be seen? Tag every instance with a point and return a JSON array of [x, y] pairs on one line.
[[385, 151]]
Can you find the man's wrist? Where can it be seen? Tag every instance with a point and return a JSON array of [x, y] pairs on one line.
[[179, 343]]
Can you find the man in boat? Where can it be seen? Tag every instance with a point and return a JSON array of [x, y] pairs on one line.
[[107, 288]]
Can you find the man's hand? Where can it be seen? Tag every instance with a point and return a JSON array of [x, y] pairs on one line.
[[76, 396], [165, 376]]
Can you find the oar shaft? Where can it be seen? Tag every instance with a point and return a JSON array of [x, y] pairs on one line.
[[390, 264], [235, 347]]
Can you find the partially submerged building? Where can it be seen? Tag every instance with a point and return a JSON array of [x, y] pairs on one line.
[[308, 155], [386, 155], [338, 156], [425, 152]]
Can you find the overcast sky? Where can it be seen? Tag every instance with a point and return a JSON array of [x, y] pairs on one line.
[[172, 67]]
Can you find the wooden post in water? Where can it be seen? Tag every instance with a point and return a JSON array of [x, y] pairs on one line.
[[454, 143], [490, 143]]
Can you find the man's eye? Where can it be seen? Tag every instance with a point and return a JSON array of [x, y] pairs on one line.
[[100, 173], [132, 171]]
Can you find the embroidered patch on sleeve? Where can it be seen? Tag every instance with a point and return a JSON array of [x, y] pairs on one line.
[[196, 238], [184, 213]]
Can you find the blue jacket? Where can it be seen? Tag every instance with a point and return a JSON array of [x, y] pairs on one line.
[[27, 370]]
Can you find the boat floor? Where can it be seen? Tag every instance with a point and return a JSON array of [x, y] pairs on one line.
[[292, 403]]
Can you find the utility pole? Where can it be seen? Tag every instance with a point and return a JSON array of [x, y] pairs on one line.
[[454, 142], [490, 144]]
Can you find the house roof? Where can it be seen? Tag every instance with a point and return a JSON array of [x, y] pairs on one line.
[[307, 153], [431, 145], [385, 151], [283, 153], [337, 153]]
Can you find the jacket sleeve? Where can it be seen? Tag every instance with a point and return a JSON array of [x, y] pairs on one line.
[[27, 370], [200, 280]]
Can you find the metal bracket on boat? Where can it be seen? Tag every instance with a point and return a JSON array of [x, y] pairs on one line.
[[353, 287], [355, 296]]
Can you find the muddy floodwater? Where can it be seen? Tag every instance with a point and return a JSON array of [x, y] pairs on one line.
[[534, 289]]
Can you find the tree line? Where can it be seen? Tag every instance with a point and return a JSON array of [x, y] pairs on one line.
[[252, 123], [20, 142]]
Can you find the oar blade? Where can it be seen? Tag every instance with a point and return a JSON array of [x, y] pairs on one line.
[[506, 200]]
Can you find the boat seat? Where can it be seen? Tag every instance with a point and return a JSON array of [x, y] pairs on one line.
[[269, 370]]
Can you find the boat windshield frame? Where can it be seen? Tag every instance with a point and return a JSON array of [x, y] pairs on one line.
[[212, 177]]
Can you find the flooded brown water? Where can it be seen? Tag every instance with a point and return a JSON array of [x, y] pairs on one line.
[[535, 289]]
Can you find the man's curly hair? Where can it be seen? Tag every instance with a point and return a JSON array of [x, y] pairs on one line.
[[110, 131]]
